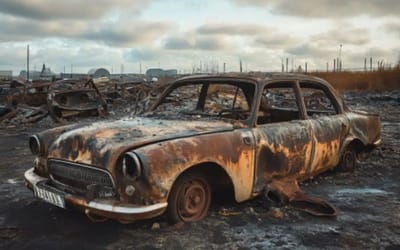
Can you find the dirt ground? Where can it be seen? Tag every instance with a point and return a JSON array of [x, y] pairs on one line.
[[368, 201]]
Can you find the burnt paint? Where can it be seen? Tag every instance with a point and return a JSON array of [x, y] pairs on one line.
[[167, 160], [284, 150]]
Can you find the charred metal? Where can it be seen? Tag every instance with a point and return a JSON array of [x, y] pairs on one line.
[[254, 134], [62, 100]]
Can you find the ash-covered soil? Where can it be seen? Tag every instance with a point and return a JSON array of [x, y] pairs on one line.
[[368, 201]]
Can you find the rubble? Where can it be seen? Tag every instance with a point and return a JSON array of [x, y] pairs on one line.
[[28, 103], [367, 221]]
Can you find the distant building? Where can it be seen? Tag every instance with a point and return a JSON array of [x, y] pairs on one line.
[[45, 74], [99, 73], [157, 72], [6, 75], [33, 75]]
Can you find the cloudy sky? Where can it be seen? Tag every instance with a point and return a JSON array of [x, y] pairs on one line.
[[183, 34]]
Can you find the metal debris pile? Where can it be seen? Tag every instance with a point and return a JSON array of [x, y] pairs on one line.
[[26, 103]]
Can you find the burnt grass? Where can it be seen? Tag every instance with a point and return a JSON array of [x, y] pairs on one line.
[[368, 201]]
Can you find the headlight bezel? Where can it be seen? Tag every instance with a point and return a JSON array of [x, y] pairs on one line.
[[131, 165], [35, 145]]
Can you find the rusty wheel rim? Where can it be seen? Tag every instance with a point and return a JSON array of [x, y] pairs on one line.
[[194, 201], [348, 160]]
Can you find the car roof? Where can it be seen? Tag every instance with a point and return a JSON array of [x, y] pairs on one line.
[[256, 77]]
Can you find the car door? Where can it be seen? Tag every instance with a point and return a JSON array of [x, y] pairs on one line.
[[328, 122], [283, 137]]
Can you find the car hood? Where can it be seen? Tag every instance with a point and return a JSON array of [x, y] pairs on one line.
[[100, 144]]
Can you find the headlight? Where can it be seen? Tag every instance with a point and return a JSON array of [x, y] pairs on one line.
[[35, 145], [131, 166]]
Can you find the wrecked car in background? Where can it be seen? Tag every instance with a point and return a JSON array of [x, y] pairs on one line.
[[253, 135], [68, 98]]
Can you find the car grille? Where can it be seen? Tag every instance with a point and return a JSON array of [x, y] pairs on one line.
[[78, 175]]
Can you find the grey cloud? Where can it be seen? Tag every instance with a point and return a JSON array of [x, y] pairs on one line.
[[198, 42], [259, 35], [140, 55], [212, 43], [70, 9], [128, 35], [327, 8], [118, 34], [233, 29], [275, 40], [15, 29], [311, 51], [176, 43], [342, 34]]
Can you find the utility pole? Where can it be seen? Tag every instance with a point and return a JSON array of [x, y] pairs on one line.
[[27, 63], [370, 63], [334, 64], [340, 57], [292, 65], [365, 64], [287, 64]]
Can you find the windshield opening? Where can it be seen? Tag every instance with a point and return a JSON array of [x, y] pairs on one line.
[[219, 100]]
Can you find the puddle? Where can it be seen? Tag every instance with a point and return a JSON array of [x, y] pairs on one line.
[[14, 181], [360, 191]]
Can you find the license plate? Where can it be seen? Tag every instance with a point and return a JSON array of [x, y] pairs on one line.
[[49, 196]]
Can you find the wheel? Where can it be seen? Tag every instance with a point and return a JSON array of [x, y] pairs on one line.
[[348, 161], [190, 198]]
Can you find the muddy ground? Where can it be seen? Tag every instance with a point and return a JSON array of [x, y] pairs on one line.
[[368, 201]]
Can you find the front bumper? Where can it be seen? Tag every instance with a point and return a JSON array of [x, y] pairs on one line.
[[112, 209]]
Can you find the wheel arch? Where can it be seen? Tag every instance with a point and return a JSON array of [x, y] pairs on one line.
[[215, 174], [354, 143]]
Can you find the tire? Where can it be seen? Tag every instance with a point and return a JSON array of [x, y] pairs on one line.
[[190, 198], [348, 161]]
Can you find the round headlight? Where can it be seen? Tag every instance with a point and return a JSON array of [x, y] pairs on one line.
[[34, 145], [131, 166]]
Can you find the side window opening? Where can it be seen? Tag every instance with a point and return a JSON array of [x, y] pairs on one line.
[[278, 104], [317, 102], [227, 101], [215, 100]]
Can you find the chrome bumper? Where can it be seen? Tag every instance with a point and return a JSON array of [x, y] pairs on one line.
[[107, 208]]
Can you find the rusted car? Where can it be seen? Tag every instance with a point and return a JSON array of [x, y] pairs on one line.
[[67, 98], [248, 134]]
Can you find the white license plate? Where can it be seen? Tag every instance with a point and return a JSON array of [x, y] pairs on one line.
[[50, 197]]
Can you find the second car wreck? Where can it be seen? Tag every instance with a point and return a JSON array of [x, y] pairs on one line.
[[71, 98], [253, 135]]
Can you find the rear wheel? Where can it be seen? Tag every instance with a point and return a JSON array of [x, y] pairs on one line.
[[348, 161], [190, 198]]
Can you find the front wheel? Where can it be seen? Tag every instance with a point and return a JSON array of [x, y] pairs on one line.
[[190, 198], [348, 161]]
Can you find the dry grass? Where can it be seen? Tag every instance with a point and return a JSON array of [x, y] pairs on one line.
[[376, 80]]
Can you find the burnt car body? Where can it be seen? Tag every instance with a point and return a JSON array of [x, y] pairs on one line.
[[68, 98], [245, 133]]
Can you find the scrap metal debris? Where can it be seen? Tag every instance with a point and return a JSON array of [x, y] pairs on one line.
[[25, 102], [288, 191]]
